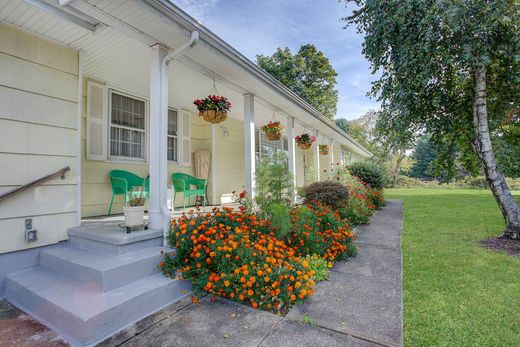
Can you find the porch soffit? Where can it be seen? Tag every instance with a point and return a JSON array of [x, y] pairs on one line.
[[122, 58]]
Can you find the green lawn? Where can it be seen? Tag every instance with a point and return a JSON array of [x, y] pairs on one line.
[[456, 293]]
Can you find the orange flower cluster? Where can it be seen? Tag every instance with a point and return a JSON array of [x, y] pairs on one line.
[[319, 230], [234, 255]]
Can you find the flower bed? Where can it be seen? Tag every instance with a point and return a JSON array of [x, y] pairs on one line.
[[235, 255]]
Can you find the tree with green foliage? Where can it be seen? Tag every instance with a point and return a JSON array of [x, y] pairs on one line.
[[342, 123], [448, 68], [424, 155], [507, 144], [308, 73]]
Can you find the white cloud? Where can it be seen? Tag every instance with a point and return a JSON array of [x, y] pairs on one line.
[[197, 8]]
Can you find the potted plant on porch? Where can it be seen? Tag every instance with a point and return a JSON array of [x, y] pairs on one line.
[[213, 108], [305, 140], [134, 210], [324, 149], [273, 130]]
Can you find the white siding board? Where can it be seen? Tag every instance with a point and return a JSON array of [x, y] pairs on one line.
[[30, 47], [41, 200], [21, 169], [25, 106], [28, 138], [51, 229], [25, 75]]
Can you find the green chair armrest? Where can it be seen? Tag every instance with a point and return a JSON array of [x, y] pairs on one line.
[[179, 185], [200, 183], [119, 185]]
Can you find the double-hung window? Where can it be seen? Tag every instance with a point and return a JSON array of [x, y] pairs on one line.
[[265, 147], [173, 137], [127, 127]]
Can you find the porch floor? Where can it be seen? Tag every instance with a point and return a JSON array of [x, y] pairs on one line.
[[115, 221]]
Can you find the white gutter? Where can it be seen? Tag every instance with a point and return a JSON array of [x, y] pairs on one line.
[[78, 136], [194, 38]]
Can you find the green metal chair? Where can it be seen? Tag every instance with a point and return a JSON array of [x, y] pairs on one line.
[[189, 186], [123, 182]]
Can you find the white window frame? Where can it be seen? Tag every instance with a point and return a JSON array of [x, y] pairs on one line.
[[109, 128], [259, 153], [179, 135]]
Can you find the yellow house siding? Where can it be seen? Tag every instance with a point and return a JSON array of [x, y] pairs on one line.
[[38, 91], [229, 160]]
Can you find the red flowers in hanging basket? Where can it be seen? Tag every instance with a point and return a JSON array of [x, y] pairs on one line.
[[213, 108], [305, 140], [273, 130]]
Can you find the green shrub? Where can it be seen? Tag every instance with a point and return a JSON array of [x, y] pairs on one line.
[[355, 211], [319, 266], [281, 223], [273, 182], [369, 173], [328, 193], [478, 182], [319, 230]]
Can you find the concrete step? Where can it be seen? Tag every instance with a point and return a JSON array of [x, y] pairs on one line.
[[111, 239], [106, 272], [82, 313]]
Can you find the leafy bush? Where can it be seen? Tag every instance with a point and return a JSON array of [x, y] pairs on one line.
[[281, 223], [369, 173], [478, 182], [376, 197], [328, 193], [355, 211], [319, 230], [319, 266], [273, 182], [236, 256]]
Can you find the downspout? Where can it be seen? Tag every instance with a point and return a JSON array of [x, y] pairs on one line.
[[79, 120], [194, 38]]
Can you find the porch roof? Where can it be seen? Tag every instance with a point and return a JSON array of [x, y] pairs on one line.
[[123, 33]]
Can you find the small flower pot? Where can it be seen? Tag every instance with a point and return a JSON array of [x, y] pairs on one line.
[[273, 136], [322, 152], [304, 146], [213, 116], [134, 215]]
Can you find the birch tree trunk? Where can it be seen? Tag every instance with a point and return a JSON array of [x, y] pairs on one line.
[[484, 151]]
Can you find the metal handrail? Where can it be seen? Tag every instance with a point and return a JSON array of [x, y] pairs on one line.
[[34, 183]]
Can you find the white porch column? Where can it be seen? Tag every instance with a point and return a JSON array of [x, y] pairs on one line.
[[317, 154], [249, 143], [157, 131], [331, 155], [292, 152]]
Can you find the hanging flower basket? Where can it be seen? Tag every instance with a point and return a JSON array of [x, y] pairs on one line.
[[213, 109], [273, 131], [213, 116], [324, 149], [305, 140]]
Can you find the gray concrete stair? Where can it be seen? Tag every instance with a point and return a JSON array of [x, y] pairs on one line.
[[82, 313], [111, 239], [101, 282], [103, 271]]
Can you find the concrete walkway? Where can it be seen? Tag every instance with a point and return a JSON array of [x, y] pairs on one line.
[[360, 305]]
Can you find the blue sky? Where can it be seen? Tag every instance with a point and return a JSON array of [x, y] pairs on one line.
[[259, 27]]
